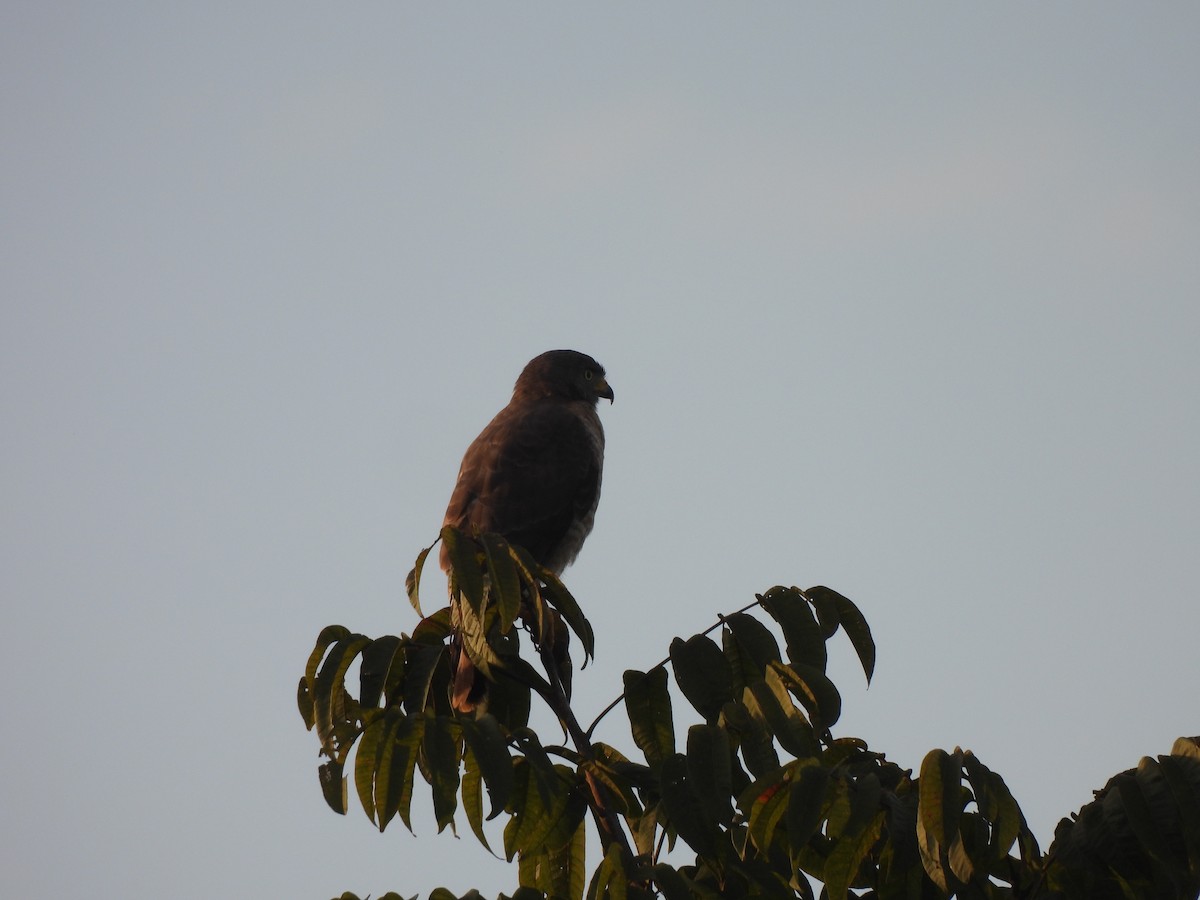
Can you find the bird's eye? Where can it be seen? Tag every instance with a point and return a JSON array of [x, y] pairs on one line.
[[587, 374]]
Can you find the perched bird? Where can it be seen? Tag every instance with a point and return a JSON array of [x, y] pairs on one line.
[[533, 474]]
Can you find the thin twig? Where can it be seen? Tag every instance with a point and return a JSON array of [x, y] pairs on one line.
[[717, 624]]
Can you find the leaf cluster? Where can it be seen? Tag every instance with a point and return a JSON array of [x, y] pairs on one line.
[[760, 800]]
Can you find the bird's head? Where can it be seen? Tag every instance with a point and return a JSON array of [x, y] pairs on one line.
[[564, 373]]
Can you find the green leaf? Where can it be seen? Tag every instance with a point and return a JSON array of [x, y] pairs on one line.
[[806, 805], [702, 673], [421, 662], [329, 690], [1187, 798], [472, 796], [560, 872], [937, 813], [833, 610], [466, 578], [333, 786], [621, 797], [997, 805], [365, 762], [541, 768], [1139, 816], [683, 807], [412, 583], [534, 818], [765, 803], [755, 646], [570, 808], [816, 693], [754, 741], [825, 603], [441, 750], [1186, 746], [670, 883], [473, 632], [396, 768], [378, 660], [490, 748], [434, 628], [330, 634], [649, 708], [505, 586], [844, 861], [770, 702], [304, 701], [710, 770], [562, 600], [508, 699], [805, 643], [610, 881]]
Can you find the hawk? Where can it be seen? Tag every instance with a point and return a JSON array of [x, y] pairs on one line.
[[533, 474]]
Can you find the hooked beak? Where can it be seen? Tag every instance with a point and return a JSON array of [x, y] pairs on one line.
[[603, 390]]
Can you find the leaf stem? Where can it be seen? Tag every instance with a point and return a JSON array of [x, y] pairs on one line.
[[662, 662]]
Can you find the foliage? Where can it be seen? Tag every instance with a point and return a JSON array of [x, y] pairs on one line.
[[762, 793]]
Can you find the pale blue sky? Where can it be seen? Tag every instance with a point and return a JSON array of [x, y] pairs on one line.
[[904, 300]]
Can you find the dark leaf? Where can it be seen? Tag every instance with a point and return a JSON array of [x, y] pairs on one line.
[[329, 690], [508, 699], [421, 662], [473, 631], [330, 634], [649, 708], [765, 802], [790, 608], [844, 861], [756, 647], [396, 769], [441, 750], [505, 585], [541, 768], [816, 693], [472, 795], [683, 807], [534, 819], [434, 628], [710, 772], [825, 603], [560, 872], [998, 806], [702, 673], [412, 583], [1187, 797], [488, 744], [769, 702], [305, 702], [560, 598], [1139, 815], [621, 797], [833, 610], [937, 813], [670, 883], [333, 786], [365, 762], [466, 578], [378, 660], [1186, 746], [806, 805], [754, 741], [609, 881]]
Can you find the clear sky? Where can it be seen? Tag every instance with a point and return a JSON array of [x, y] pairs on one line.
[[903, 299]]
